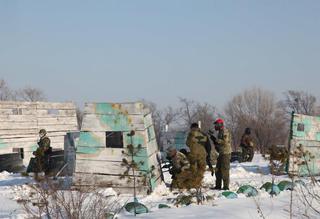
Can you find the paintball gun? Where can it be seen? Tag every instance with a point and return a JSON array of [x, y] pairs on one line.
[[214, 140]]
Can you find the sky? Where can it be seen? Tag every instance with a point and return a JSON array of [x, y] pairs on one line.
[[119, 51]]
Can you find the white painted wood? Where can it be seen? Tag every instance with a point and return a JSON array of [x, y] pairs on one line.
[[125, 108], [152, 147], [44, 113], [57, 139], [104, 154], [21, 131], [81, 178], [93, 122], [148, 120], [94, 166], [39, 105]]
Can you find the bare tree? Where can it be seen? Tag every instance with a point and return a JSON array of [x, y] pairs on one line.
[[300, 102], [170, 115], [187, 110], [257, 109], [47, 199], [31, 94], [162, 117], [206, 114], [5, 91], [157, 119], [192, 111]]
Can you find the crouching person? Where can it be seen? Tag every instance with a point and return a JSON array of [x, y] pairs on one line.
[[180, 168]]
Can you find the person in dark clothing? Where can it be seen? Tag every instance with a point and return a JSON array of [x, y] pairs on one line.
[[247, 146]]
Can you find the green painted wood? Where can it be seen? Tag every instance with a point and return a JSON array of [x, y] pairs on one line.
[[102, 117], [309, 138], [90, 139]]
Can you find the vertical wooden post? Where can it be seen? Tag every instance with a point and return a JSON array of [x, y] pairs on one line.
[[289, 143]]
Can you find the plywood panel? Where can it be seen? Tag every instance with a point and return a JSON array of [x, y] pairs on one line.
[[14, 125], [57, 120], [114, 108], [40, 105], [18, 118], [112, 123], [44, 113], [105, 154], [148, 120], [113, 181], [152, 147], [94, 166]]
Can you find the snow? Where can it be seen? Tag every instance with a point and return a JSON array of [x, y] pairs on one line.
[[9, 184], [256, 173]]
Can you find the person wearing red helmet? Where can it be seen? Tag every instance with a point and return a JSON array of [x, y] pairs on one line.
[[223, 146]]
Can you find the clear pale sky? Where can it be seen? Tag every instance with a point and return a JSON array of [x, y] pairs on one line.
[[160, 50]]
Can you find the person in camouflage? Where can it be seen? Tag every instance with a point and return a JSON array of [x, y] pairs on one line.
[[223, 147], [247, 146], [43, 152], [196, 141], [180, 165]]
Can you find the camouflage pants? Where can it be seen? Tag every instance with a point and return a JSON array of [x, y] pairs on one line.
[[222, 171], [182, 180], [197, 170], [247, 154]]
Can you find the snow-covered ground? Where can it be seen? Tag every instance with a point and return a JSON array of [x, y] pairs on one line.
[[254, 174]]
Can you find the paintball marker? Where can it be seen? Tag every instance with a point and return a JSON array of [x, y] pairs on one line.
[[212, 137]]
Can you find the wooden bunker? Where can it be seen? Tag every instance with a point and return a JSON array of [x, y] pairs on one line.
[[20, 123], [103, 138], [305, 132]]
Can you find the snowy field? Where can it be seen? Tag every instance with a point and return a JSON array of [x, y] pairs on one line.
[[255, 174]]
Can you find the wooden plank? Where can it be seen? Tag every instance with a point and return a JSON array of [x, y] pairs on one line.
[[28, 146], [18, 118], [111, 108], [92, 122], [27, 132], [4, 132], [63, 128], [58, 120], [44, 112], [13, 125], [94, 166], [60, 106], [104, 154], [148, 120], [16, 104], [152, 147], [35, 124], [31, 135], [113, 181], [38, 112], [39, 105]]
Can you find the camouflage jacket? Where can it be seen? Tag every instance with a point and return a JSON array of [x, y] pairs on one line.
[[180, 162], [224, 142], [196, 141], [246, 141], [44, 142]]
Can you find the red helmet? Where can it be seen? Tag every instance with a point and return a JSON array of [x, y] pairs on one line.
[[219, 121], [218, 124]]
